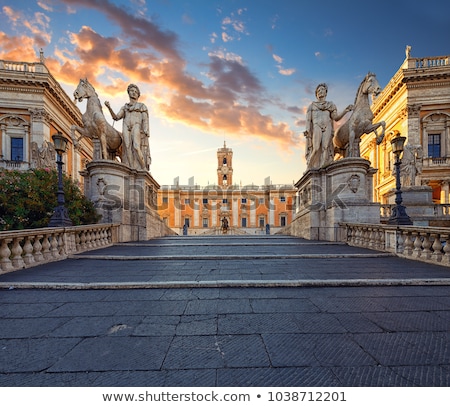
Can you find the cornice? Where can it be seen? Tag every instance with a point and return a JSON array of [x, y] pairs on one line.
[[39, 83]]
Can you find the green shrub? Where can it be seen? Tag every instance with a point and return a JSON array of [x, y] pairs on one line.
[[27, 199]]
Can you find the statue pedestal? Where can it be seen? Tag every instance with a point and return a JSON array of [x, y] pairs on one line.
[[125, 196], [341, 192]]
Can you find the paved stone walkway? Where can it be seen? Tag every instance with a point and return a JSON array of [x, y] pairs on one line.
[[226, 311]]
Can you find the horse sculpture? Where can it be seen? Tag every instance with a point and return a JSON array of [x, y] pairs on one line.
[[348, 136], [94, 122]]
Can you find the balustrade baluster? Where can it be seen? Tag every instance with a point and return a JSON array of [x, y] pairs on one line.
[[37, 249], [417, 252], [408, 244], [97, 238], [61, 245], [426, 244], [357, 236], [16, 251], [83, 240], [77, 241], [46, 247], [28, 258], [437, 248], [88, 240], [54, 246], [370, 238], [5, 253]]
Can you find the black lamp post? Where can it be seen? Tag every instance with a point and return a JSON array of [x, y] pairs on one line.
[[398, 215], [60, 217]]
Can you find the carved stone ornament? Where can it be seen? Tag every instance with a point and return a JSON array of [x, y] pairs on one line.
[[353, 183], [101, 186]]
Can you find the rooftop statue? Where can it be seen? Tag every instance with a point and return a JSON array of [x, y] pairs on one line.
[[348, 136], [94, 122], [135, 130], [320, 129]]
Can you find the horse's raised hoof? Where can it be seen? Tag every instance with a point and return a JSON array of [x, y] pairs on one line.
[[379, 139]]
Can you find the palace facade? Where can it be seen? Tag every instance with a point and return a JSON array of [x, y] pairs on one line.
[[415, 104], [249, 210], [33, 107]]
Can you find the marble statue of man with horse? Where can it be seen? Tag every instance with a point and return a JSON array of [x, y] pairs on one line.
[[132, 144], [95, 125], [323, 143]]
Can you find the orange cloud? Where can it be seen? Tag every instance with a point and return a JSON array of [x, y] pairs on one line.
[[17, 48], [38, 26], [230, 101]]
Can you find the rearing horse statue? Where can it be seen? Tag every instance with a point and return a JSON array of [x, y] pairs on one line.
[[94, 122], [348, 136]]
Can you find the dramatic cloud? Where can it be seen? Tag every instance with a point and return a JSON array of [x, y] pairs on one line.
[[38, 25], [229, 98], [17, 48]]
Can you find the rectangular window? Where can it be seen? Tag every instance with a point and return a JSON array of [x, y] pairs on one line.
[[244, 222], [225, 200], [187, 222], [205, 222], [244, 200], [205, 201], [187, 201], [16, 149], [434, 145], [282, 199], [283, 221], [261, 201], [165, 200]]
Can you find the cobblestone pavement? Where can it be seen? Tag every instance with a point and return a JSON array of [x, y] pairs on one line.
[[226, 311]]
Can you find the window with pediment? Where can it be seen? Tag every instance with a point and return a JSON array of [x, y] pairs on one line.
[[14, 136], [436, 134]]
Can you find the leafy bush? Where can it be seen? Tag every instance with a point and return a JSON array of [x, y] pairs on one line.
[[27, 199]]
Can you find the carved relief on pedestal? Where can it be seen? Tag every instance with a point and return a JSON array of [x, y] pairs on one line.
[[354, 182]]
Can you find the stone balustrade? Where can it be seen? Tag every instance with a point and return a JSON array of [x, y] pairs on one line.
[[27, 248], [439, 211], [428, 244]]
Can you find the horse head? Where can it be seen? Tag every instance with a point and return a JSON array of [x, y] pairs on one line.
[[83, 90], [371, 84]]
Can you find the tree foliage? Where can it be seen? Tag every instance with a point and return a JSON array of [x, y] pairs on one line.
[[28, 198]]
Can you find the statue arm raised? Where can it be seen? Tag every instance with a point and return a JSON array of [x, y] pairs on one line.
[[338, 116], [113, 115]]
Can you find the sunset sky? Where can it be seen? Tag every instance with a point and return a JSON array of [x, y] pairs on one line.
[[211, 71]]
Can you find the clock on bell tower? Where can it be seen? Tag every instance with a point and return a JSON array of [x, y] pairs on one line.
[[225, 166]]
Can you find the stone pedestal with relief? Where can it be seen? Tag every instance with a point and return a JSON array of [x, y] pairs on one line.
[[340, 192], [125, 196]]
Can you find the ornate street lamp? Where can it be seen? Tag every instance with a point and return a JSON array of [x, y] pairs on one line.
[[398, 215], [60, 217]]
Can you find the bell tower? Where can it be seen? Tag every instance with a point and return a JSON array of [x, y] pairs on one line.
[[225, 166]]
